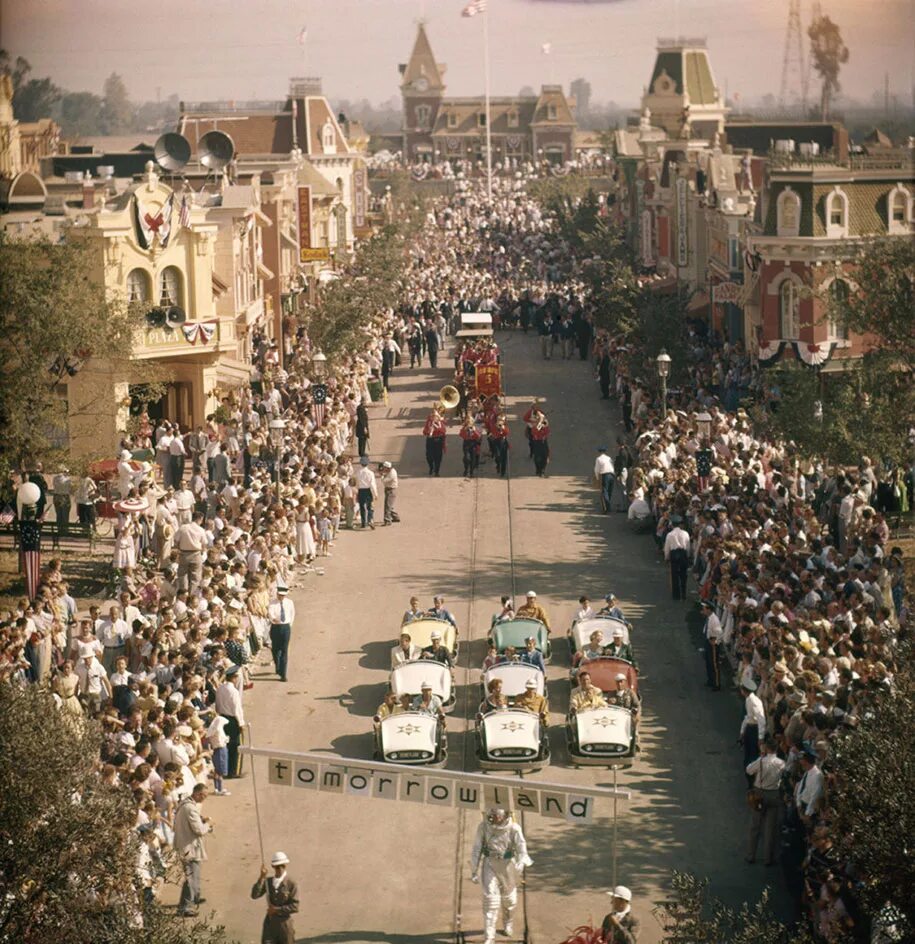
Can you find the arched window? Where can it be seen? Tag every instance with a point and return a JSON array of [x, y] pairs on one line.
[[137, 286], [170, 286], [836, 214], [789, 310], [328, 138], [788, 213], [899, 210], [838, 296]]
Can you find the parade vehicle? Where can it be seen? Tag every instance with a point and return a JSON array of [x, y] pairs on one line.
[[475, 324], [421, 630], [514, 632], [580, 632], [411, 737], [514, 677], [512, 739], [601, 737], [605, 736], [408, 679]]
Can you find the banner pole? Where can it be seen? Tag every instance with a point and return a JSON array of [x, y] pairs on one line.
[[488, 116], [257, 811]]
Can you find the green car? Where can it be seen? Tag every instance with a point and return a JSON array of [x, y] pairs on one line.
[[515, 632]]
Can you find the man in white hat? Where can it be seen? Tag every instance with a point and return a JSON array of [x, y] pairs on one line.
[[620, 925], [282, 901], [533, 610], [282, 617], [436, 651], [497, 860], [618, 649], [532, 701], [428, 702]]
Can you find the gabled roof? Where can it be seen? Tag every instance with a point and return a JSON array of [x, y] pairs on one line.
[[690, 72], [552, 95], [318, 113], [467, 111], [422, 63]]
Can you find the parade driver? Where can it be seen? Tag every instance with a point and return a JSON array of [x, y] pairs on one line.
[[497, 860]]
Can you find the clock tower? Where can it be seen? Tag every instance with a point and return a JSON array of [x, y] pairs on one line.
[[422, 88]]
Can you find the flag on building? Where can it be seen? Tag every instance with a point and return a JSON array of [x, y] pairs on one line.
[[318, 402], [184, 214], [474, 7], [303, 35], [30, 554]]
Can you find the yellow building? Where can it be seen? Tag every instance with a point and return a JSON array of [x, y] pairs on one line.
[[154, 247]]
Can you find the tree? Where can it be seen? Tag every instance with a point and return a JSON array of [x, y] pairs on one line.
[[874, 818], [17, 70], [68, 850], [692, 916], [36, 99], [81, 113], [829, 53], [580, 89], [53, 318], [117, 111]]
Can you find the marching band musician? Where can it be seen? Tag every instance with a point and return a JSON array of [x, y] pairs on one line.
[[472, 438], [434, 431], [500, 444], [539, 427]]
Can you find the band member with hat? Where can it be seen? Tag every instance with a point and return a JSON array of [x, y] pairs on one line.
[[472, 438], [282, 901], [539, 427], [434, 431], [500, 444]]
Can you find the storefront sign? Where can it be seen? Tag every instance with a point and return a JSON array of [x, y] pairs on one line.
[[726, 292], [320, 254], [304, 223], [647, 246], [682, 222], [360, 175]]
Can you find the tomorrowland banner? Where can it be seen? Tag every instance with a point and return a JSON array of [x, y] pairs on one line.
[[398, 783]]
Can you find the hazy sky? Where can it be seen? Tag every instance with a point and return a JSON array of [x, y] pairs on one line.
[[239, 49]]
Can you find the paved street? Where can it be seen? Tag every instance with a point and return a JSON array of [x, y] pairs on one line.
[[374, 872]]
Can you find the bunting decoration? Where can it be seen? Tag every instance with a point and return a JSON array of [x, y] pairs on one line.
[[419, 171], [199, 330], [814, 355], [318, 402], [770, 350], [153, 224]]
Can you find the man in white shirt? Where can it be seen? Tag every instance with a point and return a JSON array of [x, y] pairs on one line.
[[229, 706], [809, 788], [604, 478], [367, 492], [176, 457], [712, 633], [282, 617], [405, 650], [390, 481], [192, 542], [184, 503], [62, 491], [93, 682], [676, 553], [753, 725], [113, 635], [765, 775]]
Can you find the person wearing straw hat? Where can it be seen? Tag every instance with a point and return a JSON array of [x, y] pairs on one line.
[[620, 925], [282, 901]]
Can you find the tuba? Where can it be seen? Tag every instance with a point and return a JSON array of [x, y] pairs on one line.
[[449, 397]]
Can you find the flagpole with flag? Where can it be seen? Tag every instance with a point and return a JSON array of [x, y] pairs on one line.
[[472, 9]]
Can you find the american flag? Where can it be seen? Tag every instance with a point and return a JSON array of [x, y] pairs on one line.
[[474, 7], [184, 214], [319, 402], [30, 554], [303, 36]]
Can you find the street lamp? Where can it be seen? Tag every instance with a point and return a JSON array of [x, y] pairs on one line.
[[704, 424], [319, 364], [277, 431], [663, 360]]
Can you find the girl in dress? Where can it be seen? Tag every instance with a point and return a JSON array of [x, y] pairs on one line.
[[125, 555], [323, 526]]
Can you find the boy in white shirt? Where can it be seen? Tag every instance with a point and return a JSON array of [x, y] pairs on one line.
[[218, 742]]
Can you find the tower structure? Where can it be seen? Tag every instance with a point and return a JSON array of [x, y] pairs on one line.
[[422, 87], [795, 76]]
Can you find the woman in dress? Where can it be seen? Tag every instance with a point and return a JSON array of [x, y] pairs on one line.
[[66, 684], [125, 555], [305, 547]]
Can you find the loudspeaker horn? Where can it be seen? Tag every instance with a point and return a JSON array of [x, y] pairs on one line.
[[172, 151], [175, 316], [155, 317], [449, 397], [215, 150]]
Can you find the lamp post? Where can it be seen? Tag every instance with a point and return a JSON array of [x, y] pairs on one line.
[[319, 365], [277, 429], [704, 425], [663, 361]]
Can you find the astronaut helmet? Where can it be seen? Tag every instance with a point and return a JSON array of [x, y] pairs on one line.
[[497, 816]]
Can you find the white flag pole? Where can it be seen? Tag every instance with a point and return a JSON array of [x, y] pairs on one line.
[[488, 116]]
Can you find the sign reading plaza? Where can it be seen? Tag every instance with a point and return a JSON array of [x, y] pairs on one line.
[[351, 777]]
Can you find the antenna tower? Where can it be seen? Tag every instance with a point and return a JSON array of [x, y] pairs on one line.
[[794, 72]]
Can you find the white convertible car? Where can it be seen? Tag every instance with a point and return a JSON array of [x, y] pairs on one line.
[[511, 739], [411, 737], [408, 679], [601, 737]]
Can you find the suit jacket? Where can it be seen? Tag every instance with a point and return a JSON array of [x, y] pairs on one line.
[[626, 933], [189, 831], [285, 898]]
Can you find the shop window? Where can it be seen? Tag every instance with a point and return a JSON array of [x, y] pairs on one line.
[[789, 310]]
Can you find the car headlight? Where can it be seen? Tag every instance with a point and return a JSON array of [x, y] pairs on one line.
[[587, 747], [497, 753]]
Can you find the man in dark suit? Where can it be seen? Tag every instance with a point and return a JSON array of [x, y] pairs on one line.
[[620, 925], [432, 343], [282, 901]]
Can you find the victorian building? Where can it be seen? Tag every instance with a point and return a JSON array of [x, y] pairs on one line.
[[437, 128]]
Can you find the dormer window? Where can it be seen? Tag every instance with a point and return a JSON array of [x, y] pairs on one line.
[[788, 213], [551, 113], [481, 119], [328, 138], [452, 119], [513, 119], [899, 211], [836, 214]]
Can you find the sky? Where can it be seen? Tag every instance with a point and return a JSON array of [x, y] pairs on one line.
[[248, 49]]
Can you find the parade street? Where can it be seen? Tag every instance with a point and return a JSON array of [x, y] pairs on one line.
[[399, 872]]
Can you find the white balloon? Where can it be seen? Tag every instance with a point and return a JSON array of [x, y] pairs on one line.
[[29, 493]]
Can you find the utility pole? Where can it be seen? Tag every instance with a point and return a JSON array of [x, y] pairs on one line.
[[794, 72]]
